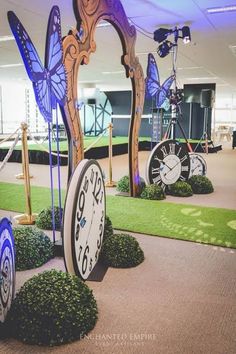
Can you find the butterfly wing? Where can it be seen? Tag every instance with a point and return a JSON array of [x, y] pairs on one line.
[[43, 98], [152, 70], [164, 91], [28, 52], [167, 84], [54, 57], [152, 81], [33, 65]]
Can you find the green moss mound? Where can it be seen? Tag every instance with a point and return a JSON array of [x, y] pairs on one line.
[[53, 308], [108, 229], [180, 189], [122, 251], [152, 192], [33, 247], [44, 219], [201, 185]]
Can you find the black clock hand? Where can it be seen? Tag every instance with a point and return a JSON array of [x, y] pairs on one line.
[[171, 168], [90, 225], [194, 169], [162, 162]]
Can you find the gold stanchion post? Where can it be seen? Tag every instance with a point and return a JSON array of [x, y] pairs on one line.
[[22, 175], [110, 183], [28, 218]]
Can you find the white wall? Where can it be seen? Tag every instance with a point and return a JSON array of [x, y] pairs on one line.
[[15, 108], [225, 110]]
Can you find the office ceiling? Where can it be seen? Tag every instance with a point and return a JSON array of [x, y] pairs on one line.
[[209, 58]]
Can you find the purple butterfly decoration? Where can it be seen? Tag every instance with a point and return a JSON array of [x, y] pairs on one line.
[[153, 86], [49, 82]]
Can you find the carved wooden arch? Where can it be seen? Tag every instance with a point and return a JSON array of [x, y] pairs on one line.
[[77, 50]]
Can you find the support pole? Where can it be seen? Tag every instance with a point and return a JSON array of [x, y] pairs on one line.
[[51, 183], [28, 218], [206, 128], [110, 183]]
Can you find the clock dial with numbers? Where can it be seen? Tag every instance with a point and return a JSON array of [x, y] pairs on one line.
[[169, 162], [7, 268], [198, 165], [84, 219]]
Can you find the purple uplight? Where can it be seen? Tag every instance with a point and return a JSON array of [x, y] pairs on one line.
[[215, 10]]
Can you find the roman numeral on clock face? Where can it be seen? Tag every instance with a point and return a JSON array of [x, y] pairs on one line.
[[163, 186], [179, 151], [172, 148], [155, 170], [184, 168], [164, 151], [184, 158], [157, 179]]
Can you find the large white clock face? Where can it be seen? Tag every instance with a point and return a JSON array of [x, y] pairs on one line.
[[7, 268], [84, 219], [168, 162], [198, 165]]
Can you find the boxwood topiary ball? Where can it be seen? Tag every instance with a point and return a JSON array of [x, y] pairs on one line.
[[153, 192], [122, 251], [44, 219], [123, 184], [180, 189], [108, 229], [33, 247], [53, 308], [201, 185]]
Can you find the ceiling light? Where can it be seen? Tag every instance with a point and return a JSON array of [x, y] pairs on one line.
[[188, 68], [88, 82], [6, 38], [113, 72], [10, 65], [215, 10], [145, 53], [233, 49], [202, 78], [103, 24]]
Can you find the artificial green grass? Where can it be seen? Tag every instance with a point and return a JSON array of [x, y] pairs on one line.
[[180, 221], [191, 141], [12, 197], [104, 141], [158, 218]]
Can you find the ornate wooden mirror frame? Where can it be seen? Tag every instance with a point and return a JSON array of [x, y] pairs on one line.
[[78, 46]]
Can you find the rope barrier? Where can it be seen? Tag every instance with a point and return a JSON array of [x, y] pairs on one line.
[[97, 140], [8, 155], [42, 147], [64, 155], [9, 137]]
